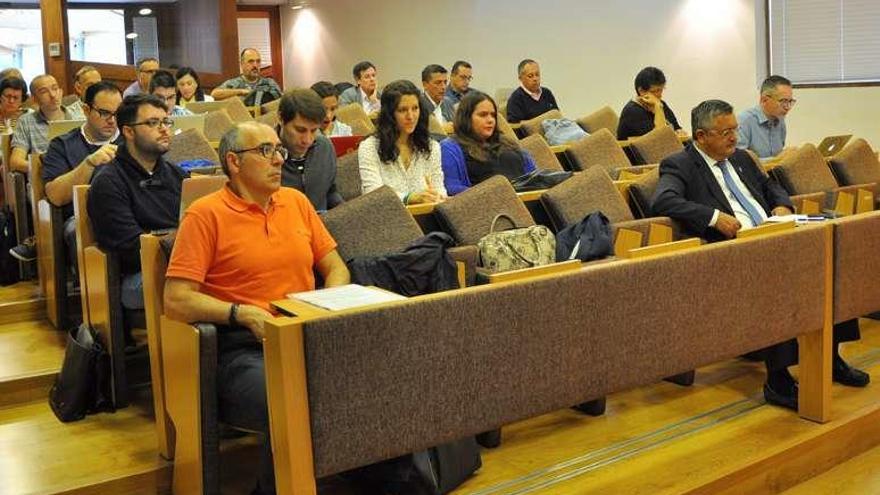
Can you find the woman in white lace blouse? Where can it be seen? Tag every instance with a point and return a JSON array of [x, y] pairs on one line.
[[401, 153]]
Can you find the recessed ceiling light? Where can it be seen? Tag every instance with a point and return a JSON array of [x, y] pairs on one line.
[[131, 36], [145, 11], [298, 6]]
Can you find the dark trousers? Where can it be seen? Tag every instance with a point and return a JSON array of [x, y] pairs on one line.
[[241, 391], [785, 354], [69, 235]]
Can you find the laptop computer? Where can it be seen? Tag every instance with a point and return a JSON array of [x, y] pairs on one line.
[[59, 127], [198, 107], [194, 188], [832, 144], [346, 144], [185, 122]]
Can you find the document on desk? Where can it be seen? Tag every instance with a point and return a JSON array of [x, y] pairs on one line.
[[346, 297], [796, 218]]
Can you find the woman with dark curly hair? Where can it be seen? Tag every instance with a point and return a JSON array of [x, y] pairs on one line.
[[401, 153], [477, 150]]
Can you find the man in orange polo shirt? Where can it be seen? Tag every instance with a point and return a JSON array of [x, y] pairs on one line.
[[236, 251]]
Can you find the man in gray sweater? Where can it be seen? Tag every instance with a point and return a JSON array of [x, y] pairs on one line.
[[311, 161]]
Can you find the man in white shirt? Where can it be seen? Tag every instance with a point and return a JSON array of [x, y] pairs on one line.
[[366, 93], [434, 81], [85, 77]]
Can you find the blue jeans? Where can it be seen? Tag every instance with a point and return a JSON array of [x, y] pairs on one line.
[[132, 289]]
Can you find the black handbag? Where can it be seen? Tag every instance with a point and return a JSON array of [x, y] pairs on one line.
[[539, 179], [83, 385]]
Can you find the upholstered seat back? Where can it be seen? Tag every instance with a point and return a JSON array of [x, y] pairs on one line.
[[370, 225], [584, 193], [191, 144], [856, 164], [598, 149], [656, 145], [348, 176], [217, 123], [540, 151], [642, 190], [468, 215], [533, 125], [603, 118], [804, 171]]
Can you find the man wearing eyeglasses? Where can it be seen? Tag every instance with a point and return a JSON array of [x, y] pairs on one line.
[[459, 81], [72, 158], [237, 250], [714, 189], [309, 158], [138, 191], [762, 128], [146, 67]]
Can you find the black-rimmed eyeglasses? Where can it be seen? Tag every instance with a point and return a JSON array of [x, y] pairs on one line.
[[268, 150]]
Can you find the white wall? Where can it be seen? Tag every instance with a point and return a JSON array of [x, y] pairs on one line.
[[589, 51]]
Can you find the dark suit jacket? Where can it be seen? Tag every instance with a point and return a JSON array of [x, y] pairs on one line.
[[689, 193]]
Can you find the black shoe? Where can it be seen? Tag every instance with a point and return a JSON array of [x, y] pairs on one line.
[[593, 408], [26, 251], [490, 439], [845, 374], [685, 379], [788, 400]]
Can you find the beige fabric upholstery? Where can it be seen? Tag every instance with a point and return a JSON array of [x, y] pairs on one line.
[[504, 126], [237, 111], [856, 163], [641, 192], [856, 272], [270, 119], [434, 126], [598, 149], [348, 176], [533, 125], [584, 193], [804, 171], [540, 151], [217, 123], [191, 144], [368, 370], [370, 225], [656, 145], [469, 214], [271, 107], [603, 118], [353, 114]]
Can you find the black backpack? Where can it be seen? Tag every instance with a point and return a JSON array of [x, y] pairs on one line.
[[9, 266]]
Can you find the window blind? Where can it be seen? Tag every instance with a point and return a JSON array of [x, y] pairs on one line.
[[825, 41]]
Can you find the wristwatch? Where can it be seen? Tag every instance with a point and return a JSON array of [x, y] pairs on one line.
[[233, 315]]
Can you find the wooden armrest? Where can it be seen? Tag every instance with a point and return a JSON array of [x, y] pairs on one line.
[[536, 271], [560, 148], [516, 126], [527, 196], [668, 247], [420, 209], [623, 187], [765, 229]]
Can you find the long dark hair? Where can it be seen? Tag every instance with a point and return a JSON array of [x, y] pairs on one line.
[[472, 144], [189, 71], [387, 131]]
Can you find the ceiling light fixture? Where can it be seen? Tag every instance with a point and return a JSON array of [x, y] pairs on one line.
[[131, 36], [145, 11]]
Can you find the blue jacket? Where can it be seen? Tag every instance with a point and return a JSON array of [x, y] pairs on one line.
[[455, 175]]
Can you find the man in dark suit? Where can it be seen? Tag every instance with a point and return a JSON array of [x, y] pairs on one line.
[[715, 190]]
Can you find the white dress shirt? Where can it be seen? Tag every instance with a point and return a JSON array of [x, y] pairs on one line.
[[738, 210]]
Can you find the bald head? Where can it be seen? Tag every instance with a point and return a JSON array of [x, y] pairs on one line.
[[250, 64], [242, 136]]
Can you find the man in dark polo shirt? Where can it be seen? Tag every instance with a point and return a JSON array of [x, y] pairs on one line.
[[73, 157], [137, 192], [530, 99], [310, 164]]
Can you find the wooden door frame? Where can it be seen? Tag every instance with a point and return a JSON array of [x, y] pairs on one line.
[[272, 13]]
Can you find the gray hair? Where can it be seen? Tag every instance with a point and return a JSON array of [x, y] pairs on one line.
[[703, 115], [231, 141], [769, 84]]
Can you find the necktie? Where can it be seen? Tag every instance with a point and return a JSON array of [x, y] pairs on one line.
[[738, 193]]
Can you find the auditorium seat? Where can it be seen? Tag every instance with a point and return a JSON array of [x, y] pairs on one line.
[[52, 261], [269, 118], [855, 164], [533, 125], [601, 149], [641, 193], [354, 115], [805, 172], [217, 123], [655, 145], [603, 118], [540, 151], [348, 176], [504, 126], [191, 144]]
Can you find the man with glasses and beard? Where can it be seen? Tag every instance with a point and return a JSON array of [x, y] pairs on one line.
[[762, 127], [73, 158], [138, 192]]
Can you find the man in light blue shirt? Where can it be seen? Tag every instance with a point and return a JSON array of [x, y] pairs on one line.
[[164, 86], [762, 128]]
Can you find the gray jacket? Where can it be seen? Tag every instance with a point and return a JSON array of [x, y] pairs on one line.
[[314, 175]]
